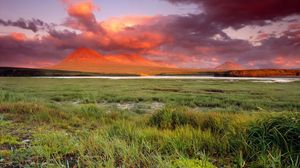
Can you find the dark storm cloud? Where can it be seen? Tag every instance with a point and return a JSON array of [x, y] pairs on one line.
[[236, 13], [29, 53], [33, 24], [194, 34]]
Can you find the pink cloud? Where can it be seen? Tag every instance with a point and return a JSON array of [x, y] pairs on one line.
[[283, 61], [18, 36]]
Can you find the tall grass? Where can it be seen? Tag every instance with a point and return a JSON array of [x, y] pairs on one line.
[[171, 118], [277, 137], [88, 135]]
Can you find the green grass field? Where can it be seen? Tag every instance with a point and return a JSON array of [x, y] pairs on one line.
[[148, 123]]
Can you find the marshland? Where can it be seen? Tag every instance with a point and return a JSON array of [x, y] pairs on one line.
[[148, 123]]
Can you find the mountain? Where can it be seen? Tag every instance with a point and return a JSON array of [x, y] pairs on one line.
[[87, 60], [85, 55], [229, 66]]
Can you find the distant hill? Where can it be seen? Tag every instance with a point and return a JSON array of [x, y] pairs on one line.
[[260, 73], [229, 66], [87, 60]]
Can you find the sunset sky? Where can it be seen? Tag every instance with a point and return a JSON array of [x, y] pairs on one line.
[[184, 33]]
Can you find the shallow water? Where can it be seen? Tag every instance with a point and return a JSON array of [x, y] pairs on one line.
[[253, 79]]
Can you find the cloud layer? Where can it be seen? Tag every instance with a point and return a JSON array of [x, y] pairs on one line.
[[196, 40]]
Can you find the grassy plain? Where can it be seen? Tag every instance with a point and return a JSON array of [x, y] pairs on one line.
[[148, 123]]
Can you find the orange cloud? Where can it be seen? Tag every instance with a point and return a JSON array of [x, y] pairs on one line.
[[138, 40], [117, 24], [82, 9], [82, 15], [18, 36], [127, 33], [117, 33]]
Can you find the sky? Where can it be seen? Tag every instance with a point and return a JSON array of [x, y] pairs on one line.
[[184, 33]]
